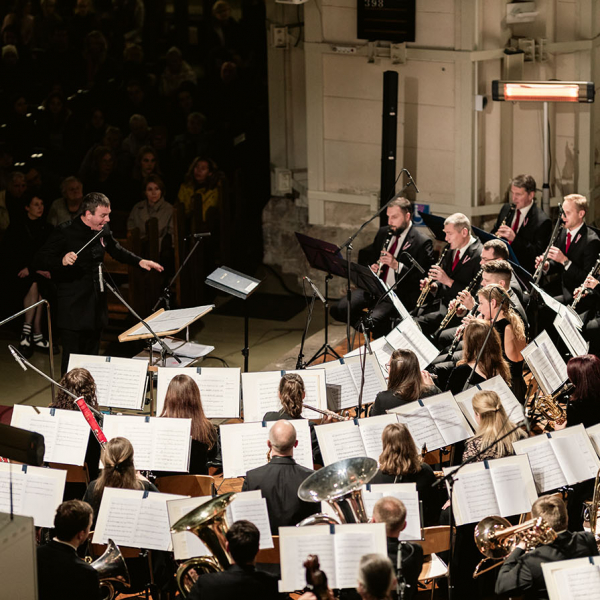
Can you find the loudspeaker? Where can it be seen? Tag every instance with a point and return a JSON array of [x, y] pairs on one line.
[[23, 446], [389, 128]]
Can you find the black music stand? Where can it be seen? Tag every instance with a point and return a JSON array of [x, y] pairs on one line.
[[322, 256], [241, 286]]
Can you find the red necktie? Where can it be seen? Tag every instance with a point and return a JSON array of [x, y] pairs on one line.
[[456, 259], [517, 222], [568, 244], [384, 271]]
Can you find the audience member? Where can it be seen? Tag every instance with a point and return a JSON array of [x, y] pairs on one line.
[[176, 72], [67, 207], [138, 137], [11, 199], [201, 184]]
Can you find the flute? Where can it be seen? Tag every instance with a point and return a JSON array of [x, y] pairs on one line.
[[323, 411]]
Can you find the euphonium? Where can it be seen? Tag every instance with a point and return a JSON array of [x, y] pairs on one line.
[[495, 538], [207, 521], [549, 408], [451, 312], [340, 485], [388, 239], [112, 570], [429, 281]]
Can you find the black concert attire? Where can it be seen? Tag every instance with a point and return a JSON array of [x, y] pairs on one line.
[[201, 456], [420, 247], [279, 481], [81, 310], [459, 377], [532, 236], [412, 563], [521, 573], [62, 574], [517, 383], [238, 581], [387, 400], [424, 479]]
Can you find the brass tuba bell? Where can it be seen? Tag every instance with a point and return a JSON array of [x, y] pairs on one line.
[[112, 570], [207, 522], [340, 485]]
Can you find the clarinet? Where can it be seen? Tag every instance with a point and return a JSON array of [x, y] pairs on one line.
[[459, 332], [509, 216], [557, 229], [595, 271], [388, 239], [450, 314]]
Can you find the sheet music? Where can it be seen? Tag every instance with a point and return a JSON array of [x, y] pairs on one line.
[[350, 547], [421, 425], [371, 430], [37, 492], [186, 544], [219, 389], [120, 382], [546, 469], [594, 435], [374, 379], [341, 388], [172, 320], [380, 348], [255, 511], [407, 336], [510, 490], [557, 584], [399, 306], [575, 454], [448, 418], [475, 496], [184, 349], [581, 583], [546, 363], [571, 336], [340, 440]]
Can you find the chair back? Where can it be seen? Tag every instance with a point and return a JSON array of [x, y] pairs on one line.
[[187, 485], [75, 473], [435, 539], [269, 555]]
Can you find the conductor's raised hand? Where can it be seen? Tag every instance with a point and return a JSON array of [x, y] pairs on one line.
[[148, 265], [69, 259]]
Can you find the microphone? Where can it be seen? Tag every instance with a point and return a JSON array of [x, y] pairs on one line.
[[17, 356], [414, 262], [315, 290], [412, 181], [100, 278], [195, 236]]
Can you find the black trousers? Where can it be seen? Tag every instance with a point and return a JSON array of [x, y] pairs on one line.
[[78, 342], [381, 316]]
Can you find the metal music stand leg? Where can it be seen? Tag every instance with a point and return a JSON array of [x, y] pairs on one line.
[[246, 350], [325, 349]]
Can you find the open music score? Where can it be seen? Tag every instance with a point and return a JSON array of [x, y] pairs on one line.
[[511, 405], [260, 392], [166, 322], [546, 363], [558, 308], [407, 336], [570, 334], [159, 444], [66, 432], [36, 492], [436, 421], [594, 435], [134, 518], [244, 446], [339, 548], [575, 579], [560, 458], [120, 382], [503, 487], [380, 348], [219, 389]]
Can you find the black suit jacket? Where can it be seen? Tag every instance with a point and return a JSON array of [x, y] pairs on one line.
[[533, 236], [62, 574], [279, 481], [583, 253], [463, 274], [237, 582], [419, 246], [521, 573]]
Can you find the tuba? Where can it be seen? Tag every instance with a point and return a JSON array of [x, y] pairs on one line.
[[340, 485], [112, 570], [495, 538], [207, 522]]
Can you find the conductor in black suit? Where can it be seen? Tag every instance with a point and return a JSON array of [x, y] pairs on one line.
[[390, 246], [575, 253], [523, 224], [242, 579], [61, 573], [521, 573], [280, 479]]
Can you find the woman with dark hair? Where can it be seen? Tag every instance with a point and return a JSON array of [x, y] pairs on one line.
[[490, 364], [401, 462], [202, 182], [406, 383], [182, 401], [145, 165]]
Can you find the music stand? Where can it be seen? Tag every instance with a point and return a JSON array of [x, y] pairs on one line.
[[241, 286], [322, 256]]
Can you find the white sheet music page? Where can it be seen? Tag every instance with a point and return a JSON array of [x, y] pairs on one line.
[[138, 430], [575, 453], [172, 320], [449, 419], [341, 388], [380, 348], [510, 490], [351, 543], [371, 430], [171, 444], [260, 394], [253, 509], [571, 336], [340, 440], [220, 389], [579, 583], [554, 358], [546, 363], [186, 544], [244, 447], [303, 451], [407, 336], [546, 469], [374, 379], [421, 425], [26, 417], [594, 435], [295, 545], [474, 495], [407, 494]]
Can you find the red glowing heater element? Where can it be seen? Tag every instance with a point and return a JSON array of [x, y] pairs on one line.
[[543, 91]]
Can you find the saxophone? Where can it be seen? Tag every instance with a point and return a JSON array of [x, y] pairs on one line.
[[595, 271], [450, 314], [427, 287]]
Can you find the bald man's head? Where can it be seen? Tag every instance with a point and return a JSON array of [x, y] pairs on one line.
[[392, 512], [282, 438]]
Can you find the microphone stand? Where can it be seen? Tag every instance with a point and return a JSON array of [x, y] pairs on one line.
[[392, 288], [348, 245], [300, 364]]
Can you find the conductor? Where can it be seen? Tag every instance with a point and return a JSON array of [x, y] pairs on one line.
[[74, 257]]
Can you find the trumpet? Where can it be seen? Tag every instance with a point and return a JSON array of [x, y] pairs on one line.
[[427, 287], [495, 538], [327, 413], [549, 408], [388, 239], [450, 314], [595, 271], [460, 331]]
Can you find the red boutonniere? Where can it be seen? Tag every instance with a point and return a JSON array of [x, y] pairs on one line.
[[578, 237], [525, 221], [466, 259], [407, 245]]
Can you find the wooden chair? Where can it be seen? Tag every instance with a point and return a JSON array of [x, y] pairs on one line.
[[435, 539], [269, 555], [187, 485], [75, 473]]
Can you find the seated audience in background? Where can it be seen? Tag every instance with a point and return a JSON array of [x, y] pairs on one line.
[[242, 579], [69, 206], [406, 383], [201, 183], [138, 137], [521, 574], [400, 462], [175, 73], [11, 203], [492, 424], [392, 512], [280, 479], [183, 401], [60, 571]]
